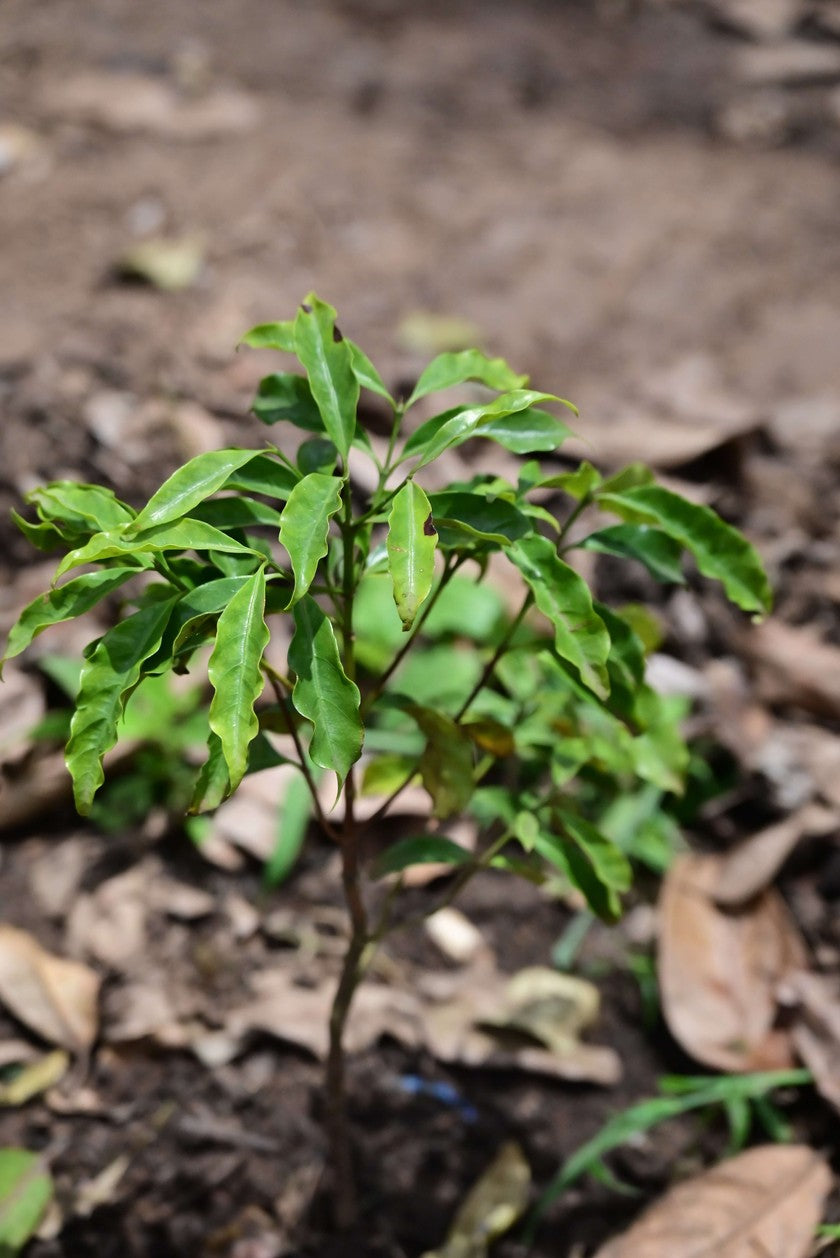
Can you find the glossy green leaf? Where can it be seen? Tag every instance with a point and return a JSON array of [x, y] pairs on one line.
[[64, 602], [45, 537], [579, 484], [493, 519], [606, 858], [305, 525], [626, 660], [212, 785], [563, 596], [197, 610], [454, 427], [323, 693], [318, 454], [85, 508], [189, 485], [527, 431], [264, 475], [25, 1192], [446, 765], [450, 369], [327, 361], [383, 774], [286, 397], [422, 849], [295, 814], [236, 512], [182, 535], [630, 477], [659, 553], [272, 336], [365, 372], [411, 543], [110, 673], [235, 673]]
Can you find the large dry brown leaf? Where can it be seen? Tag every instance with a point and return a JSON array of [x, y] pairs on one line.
[[753, 864], [816, 1031], [765, 1203], [719, 970], [54, 997], [799, 667]]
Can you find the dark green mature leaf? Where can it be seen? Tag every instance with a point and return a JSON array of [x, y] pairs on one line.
[[272, 336], [454, 427], [264, 475], [412, 538], [450, 369], [25, 1192], [327, 361], [286, 397], [235, 673], [236, 512], [323, 693], [720, 551], [606, 858], [63, 603], [626, 660], [659, 553], [365, 372], [527, 431], [446, 765], [84, 508], [318, 454], [421, 849], [305, 524], [112, 670], [491, 519], [189, 485], [580, 635], [182, 535]]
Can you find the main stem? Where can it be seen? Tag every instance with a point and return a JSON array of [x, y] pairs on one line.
[[345, 1203]]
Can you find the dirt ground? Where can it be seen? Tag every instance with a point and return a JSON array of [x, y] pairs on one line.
[[610, 196]]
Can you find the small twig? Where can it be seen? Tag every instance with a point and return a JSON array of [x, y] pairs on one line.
[[489, 668]]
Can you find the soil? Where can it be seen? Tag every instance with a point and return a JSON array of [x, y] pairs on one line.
[[554, 174]]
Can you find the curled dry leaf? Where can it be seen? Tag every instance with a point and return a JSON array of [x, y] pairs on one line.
[[54, 997], [720, 970], [491, 1207], [767, 1202], [753, 864]]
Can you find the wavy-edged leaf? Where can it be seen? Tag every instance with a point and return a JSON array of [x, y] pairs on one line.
[[44, 536], [264, 475], [421, 849], [720, 551], [272, 336], [189, 485], [235, 674], [323, 693], [85, 508], [365, 372], [456, 426], [527, 431], [411, 543], [326, 359], [182, 535], [580, 635], [195, 612], [286, 397], [111, 671], [659, 553], [450, 369], [25, 1192], [305, 525], [212, 785], [64, 602], [490, 519], [446, 765]]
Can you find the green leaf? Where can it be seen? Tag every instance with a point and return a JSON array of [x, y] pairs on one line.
[[190, 485], [286, 397], [326, 358], [85, 508], [607, 859], [112, 670], [422, 849], [489, 519], [629, 477], [446, 765], [579, 632], [295, 813], [264, 475], [235, 674], [198, 609], [659, 553], [720, 551], [182, 535], [63, 603], [365, 372], [305, 524], [450, 369], [323, 693], [318, 454], [579, 484], [383, 774], [527, 431], [454, 427], [212, 786], [238, 512], [272, 336], [412, 539], [25, 1192], [45, 536]]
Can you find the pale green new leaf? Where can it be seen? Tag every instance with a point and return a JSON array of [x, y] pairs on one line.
[[580, 635], [110, 673], [411, 543], [235, 674], [328, 365], [191, 484], [720, 551], [305, 524], [365, 372], [25, 1192], [63, 603], [85, 508], [454, 427], [527, 431], [450, 369], [272, 336], [182, 535], [323, 693]]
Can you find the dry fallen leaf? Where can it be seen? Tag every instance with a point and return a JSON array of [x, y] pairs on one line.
[[764, 1203], [816, 1031], [753, 864], [491, 1207], [798, 667], [719, 970], [38, 1076], [54, 997]]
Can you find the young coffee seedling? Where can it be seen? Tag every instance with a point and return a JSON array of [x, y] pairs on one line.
[[535, 723]]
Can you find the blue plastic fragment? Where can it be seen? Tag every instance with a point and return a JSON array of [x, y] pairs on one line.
[[438, 1090]]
